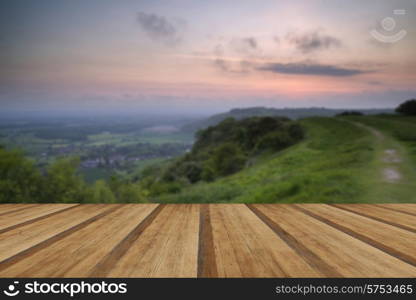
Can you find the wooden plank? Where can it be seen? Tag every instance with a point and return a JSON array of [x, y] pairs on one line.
[[107, 263], [348, 255], [387, 238], [168, 247], [84, 248], [246, 247], [404, 208], [22, 216], [394, 218], [207, 267], [8, 208], [11, 206], [23, 238], [314, 260]]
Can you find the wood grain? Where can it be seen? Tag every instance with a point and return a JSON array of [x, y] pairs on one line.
[[394, 218], [16, 240], [404, 208], [310, 257], [346, 254], [25, 216], [389, 239], [246, 247], [84, 248], [207, 266], [207, 240], [9, 208], [107, 263], [167, 248]]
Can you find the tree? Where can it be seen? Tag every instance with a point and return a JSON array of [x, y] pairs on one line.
[[130, 193], [350, 113], [277, 140], [192, 171], [227, 159], [20, 181], [296, 131], [407, 108], [63, 183], [126, 192], [101, 193]]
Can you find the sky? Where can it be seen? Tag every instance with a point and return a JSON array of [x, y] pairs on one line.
[[186, 56]]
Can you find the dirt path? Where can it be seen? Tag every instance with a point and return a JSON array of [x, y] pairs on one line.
[[390, 173], [391, 157]]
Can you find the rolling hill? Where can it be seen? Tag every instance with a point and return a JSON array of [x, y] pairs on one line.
[[341, 160], [292, 113]]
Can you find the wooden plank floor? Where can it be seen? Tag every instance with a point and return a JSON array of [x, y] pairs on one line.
[[207, 240]]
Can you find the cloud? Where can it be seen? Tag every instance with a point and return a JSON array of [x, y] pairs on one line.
[[247, 45], [247, 48], [312, 41], [241, 67], [309, 69], [250, 42], [276, 39], [219, 50], [160, 28], [222, 64]]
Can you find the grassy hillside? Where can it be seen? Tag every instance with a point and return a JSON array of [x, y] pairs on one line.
[[226, 148], [338, 162], [326, 167]]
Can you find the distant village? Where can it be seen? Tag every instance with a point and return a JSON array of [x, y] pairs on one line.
[[116, 160], [110, 156]]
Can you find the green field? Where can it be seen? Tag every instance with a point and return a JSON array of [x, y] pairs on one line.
[[338, 162], [97, 142], [107, 138]]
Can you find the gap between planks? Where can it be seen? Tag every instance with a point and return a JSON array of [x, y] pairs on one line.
[[207, 266]]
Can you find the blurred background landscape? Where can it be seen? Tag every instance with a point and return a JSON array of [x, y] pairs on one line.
[[196, 101]]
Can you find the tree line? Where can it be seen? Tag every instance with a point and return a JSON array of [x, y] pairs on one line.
[[60, 182]]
